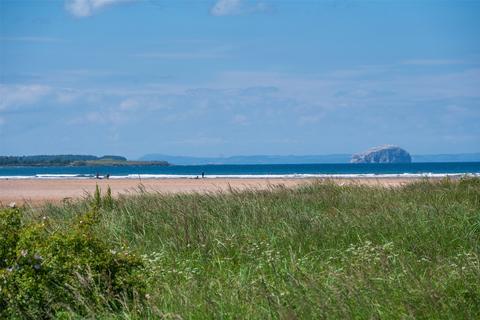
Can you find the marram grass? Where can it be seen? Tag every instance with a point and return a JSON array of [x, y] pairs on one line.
[[321, 251]]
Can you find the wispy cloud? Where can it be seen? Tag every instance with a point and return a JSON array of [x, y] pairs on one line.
[[19, 95], [213, 53], [179, 55], [31, 39], [86, 8], [104, 117], [232, 105], [226, 7], [198, 141], [432, 62], [237, 7], [240, 119], [129, 104]]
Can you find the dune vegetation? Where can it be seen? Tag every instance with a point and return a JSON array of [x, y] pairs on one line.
[[320, 251]]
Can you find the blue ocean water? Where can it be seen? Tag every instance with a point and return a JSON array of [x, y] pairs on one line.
[[246, 171]]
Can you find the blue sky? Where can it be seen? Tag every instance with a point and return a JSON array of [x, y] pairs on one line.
[[238, 77]]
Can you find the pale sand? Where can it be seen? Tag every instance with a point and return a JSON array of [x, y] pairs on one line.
[[36, 191]]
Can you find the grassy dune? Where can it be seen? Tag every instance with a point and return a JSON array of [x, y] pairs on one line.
[[320, 251]]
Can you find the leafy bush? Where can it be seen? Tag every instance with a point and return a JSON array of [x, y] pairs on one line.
[[45, 272]]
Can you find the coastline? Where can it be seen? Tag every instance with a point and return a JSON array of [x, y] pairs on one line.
[[39, 191]]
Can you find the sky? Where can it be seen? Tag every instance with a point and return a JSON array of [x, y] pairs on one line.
[[238, 77]]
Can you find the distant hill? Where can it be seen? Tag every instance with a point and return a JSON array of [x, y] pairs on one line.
[[255, 159], [460, 157], [293, 159]]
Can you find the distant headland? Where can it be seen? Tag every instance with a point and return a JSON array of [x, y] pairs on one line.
[[71, 160]]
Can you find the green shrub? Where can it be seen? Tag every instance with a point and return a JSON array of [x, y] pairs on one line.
[[44, 272]]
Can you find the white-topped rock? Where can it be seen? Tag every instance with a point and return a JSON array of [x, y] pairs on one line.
[[382, 154]]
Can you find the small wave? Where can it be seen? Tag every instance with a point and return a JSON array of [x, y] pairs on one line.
[[16, 177], [64, 176]]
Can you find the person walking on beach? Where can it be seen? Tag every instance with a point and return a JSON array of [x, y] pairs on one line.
[[203, 175]]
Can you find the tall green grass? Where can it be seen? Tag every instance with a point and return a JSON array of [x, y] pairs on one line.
[[318, 251]]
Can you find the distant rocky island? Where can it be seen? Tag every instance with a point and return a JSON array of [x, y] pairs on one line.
[[382, 154], [69, 160]]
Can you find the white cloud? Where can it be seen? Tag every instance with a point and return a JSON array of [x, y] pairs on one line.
[[236, 7], [86, 8], [18, 95], [226, 7]]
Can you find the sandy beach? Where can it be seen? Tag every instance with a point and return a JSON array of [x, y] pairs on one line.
[[37, 191]]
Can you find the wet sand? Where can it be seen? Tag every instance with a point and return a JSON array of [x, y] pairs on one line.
[[37, 191]]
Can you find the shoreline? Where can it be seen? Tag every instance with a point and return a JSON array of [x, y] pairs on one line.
[[40, 191]]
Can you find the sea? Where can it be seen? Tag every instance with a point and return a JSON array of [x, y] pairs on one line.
[[342, 170]]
